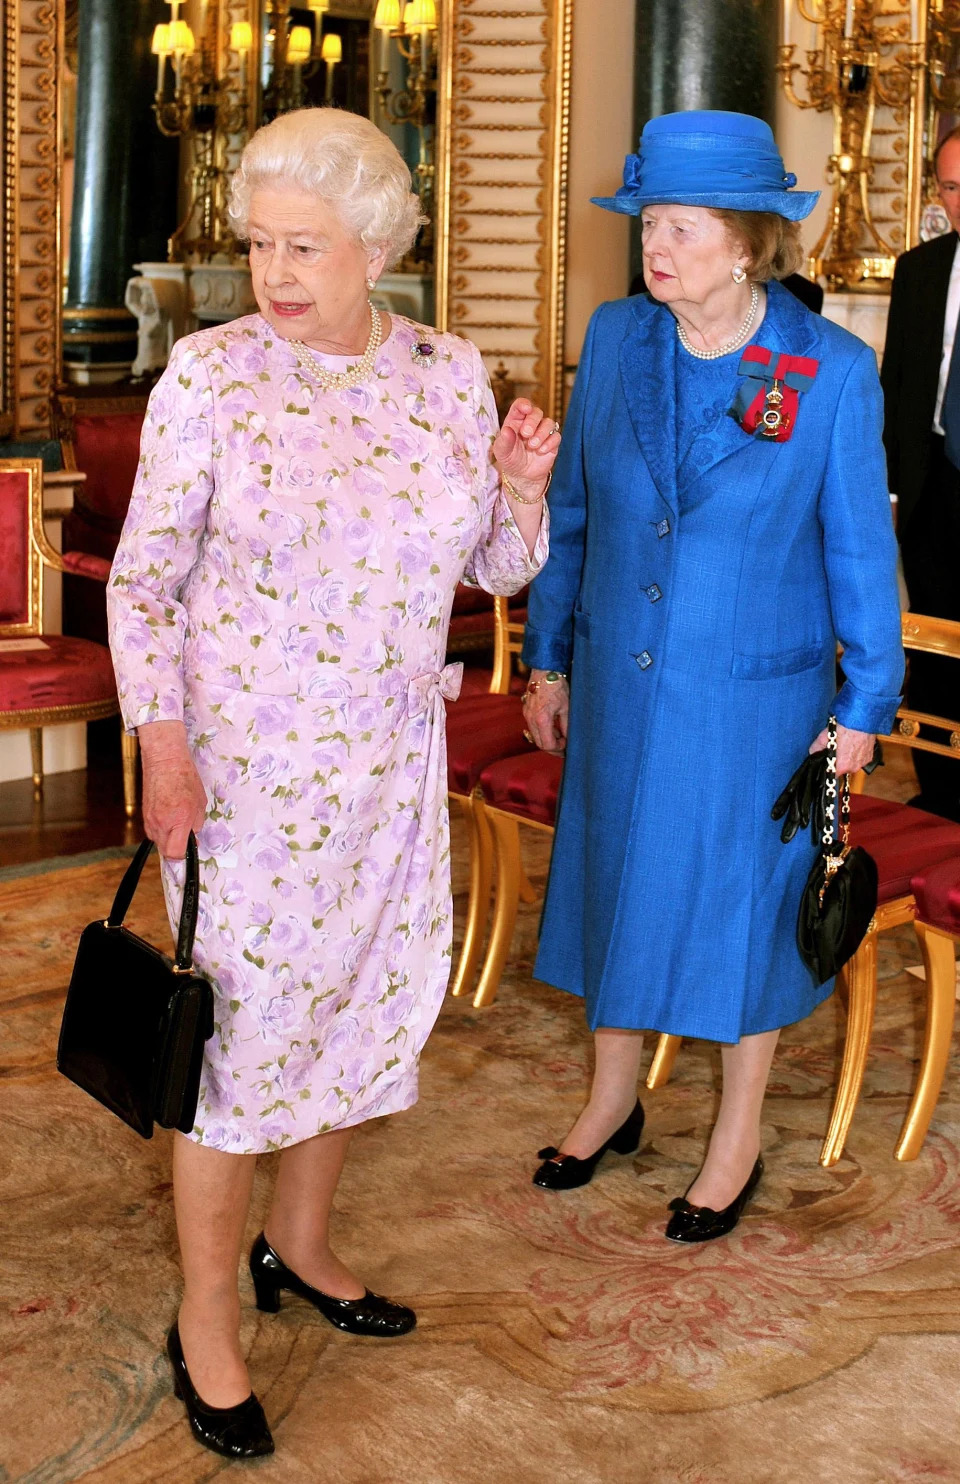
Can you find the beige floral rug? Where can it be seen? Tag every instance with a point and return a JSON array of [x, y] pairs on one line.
[[561, 1338]]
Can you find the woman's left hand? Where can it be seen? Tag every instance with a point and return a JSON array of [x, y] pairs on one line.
[[526, 446], [854, 749]]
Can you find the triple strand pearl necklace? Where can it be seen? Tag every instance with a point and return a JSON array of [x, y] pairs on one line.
[[339, 381], [724, 350]]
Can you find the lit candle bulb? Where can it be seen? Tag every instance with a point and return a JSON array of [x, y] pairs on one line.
[[332, 53], [848, 18], [160, 46]]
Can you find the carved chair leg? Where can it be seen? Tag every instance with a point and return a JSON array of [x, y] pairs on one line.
[[129, 747], [480, 846], [663, 1059], [861, 978], [36, 758], [506, 842], [939, 961]]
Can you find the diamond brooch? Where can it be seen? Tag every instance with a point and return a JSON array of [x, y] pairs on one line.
[[423, 353]]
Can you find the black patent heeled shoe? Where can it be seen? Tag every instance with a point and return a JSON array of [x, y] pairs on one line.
[[566, 1171], [370, 1315], [233, 1432], [701, 1223]]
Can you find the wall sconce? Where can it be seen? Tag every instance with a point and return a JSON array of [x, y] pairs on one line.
[[205, 107], [413, 29]]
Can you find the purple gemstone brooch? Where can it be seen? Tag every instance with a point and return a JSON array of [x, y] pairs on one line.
[[423, 353]]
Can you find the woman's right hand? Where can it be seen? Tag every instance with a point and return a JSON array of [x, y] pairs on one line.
[[546, 711], [174, 799]]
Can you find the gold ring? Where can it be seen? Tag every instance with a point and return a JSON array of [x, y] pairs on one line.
[[527, 735]]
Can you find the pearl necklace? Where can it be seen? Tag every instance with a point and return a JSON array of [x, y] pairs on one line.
[[724, 350], [339, 381]]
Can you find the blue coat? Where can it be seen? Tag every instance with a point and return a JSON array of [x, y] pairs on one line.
[[701, 648]]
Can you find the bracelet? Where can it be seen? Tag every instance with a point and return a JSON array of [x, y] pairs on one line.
[[511, 489], [550, 677]]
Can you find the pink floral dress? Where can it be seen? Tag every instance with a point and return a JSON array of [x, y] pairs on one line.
[[284, 584]]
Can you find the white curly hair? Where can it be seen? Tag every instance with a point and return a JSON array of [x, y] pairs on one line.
[[342, 159]]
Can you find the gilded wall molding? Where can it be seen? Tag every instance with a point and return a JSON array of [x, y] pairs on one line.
[[32, 40], [502, 162]]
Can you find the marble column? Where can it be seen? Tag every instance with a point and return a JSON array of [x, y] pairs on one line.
[[124, 198], [714, 54]]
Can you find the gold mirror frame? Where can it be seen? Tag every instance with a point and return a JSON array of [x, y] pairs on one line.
[[31, 44]]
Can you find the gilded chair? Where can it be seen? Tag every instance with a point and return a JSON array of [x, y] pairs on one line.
[[513, 790], [905, 843], [45, 679], [480, 729], [100, 436]]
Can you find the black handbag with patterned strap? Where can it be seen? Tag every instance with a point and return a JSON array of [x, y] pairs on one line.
[[135, 1021], [840, 896]]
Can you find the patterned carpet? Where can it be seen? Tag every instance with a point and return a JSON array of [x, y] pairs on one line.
[[561, 1338]]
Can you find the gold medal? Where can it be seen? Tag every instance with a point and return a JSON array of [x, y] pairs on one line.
[[772, 419]]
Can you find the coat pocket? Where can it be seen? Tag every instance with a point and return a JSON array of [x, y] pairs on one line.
[[581, 624], [771, 666]]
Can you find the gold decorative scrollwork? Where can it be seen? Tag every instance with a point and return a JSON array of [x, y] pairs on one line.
[[908, 728], [29, 253], [508, 144]]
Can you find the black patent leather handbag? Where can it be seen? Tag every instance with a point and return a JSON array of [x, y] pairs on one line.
[[135, 1021], [840, 895]]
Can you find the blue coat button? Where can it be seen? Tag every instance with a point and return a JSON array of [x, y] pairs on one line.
[[644, 659], [663, 528], [653, 593]]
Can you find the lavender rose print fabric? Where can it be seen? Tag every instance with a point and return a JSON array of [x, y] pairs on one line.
[[283, 584]]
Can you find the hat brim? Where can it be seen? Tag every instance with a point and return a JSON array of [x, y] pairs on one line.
[[793, 205]]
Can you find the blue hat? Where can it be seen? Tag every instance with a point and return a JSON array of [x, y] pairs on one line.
[[709, 158]]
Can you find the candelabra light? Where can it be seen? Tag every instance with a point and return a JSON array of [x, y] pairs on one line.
[[868, 54], [207, 104], [411, 28]]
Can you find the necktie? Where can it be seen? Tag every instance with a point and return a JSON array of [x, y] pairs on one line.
[[950, 411]]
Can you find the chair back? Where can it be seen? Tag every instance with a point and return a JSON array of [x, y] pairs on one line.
[[101, 437], [507, 644], [918, 728], [24, 548]]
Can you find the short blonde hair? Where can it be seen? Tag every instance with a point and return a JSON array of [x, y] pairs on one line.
[[342, 159], [772, 244]]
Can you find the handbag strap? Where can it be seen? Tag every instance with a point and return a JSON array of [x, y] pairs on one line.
[[183, 963], [833, 840]]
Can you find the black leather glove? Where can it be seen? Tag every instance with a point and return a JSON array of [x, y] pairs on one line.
[[803, 801]]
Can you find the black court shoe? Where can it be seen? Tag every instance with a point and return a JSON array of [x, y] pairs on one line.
[[370, 1315], [566, 1172], [234, 1432], [701, 1223]]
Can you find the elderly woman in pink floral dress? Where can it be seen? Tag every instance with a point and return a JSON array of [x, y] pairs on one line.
[[314, 481]]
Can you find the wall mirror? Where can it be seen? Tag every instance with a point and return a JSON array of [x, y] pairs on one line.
[[483, 126]]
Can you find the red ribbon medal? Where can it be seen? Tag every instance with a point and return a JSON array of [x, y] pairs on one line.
[[766, 405]]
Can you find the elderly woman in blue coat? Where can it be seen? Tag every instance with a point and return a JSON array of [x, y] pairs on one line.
[[720, 522]]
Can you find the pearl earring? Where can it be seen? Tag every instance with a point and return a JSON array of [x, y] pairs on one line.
[[738, 273], [371, 284]]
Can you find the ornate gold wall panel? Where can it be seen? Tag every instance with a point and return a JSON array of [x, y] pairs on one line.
[[502, 174], [30, 272]]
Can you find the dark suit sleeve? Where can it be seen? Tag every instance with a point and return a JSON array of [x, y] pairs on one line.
[[892, 370], [548, 638]]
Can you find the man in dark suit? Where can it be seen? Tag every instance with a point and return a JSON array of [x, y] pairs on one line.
[[921, 386]]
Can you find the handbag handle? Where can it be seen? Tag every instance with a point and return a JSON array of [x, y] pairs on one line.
[[183, 963]]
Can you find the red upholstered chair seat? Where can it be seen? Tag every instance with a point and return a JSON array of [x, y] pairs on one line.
[[107, 448], [937, 892], [67, 672], [526, 785], [903, 841], [468, 599], [480, 730]]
